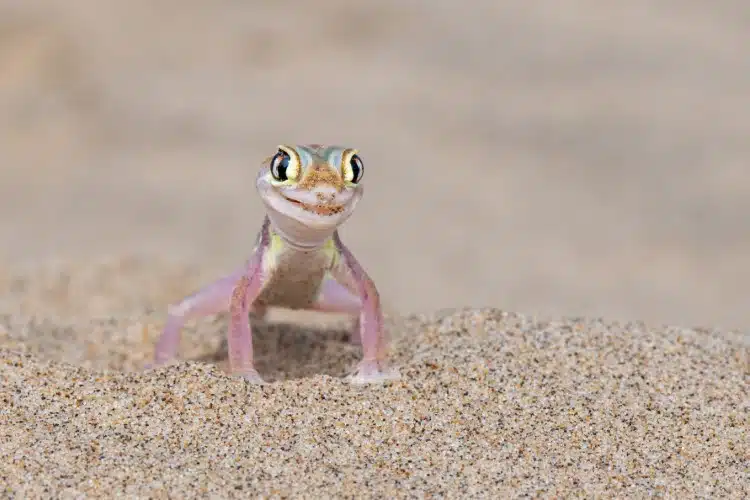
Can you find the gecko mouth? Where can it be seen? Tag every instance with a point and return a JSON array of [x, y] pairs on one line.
[[328, 209]]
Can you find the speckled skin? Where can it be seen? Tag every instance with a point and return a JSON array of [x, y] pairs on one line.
[[299, 261], [295, 278]]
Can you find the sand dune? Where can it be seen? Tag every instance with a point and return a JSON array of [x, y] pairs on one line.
[[490, 403]]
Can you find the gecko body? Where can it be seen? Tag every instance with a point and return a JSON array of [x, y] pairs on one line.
[[298, 262]]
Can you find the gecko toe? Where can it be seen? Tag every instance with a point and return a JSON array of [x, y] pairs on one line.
[[372, 372], [252, 377]]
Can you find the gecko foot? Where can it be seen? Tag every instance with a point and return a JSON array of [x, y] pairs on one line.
[[372, 372], [157, 364], [252, 377]]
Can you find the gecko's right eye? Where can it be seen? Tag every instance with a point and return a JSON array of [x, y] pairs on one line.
[[280, 165]]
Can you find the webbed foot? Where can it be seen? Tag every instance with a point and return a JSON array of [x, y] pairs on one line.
[[252, 377], [372, 372]]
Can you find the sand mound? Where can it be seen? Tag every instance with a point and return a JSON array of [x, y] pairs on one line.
[[491, 403]]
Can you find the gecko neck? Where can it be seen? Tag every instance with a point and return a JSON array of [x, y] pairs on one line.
[[297, 235]]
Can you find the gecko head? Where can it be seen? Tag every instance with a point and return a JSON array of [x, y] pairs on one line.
[[317, 186]]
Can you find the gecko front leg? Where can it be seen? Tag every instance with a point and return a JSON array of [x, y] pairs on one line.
[[214, 298], [240, 338], [373, 335]]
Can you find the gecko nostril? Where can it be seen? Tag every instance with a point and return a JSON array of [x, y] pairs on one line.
[[325, 198]]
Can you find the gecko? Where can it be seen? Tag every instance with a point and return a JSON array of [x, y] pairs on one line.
[[299, 262]]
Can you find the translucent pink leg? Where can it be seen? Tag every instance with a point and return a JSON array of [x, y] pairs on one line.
[[240, 338], [211, 299], [373, 336], [336, 298]]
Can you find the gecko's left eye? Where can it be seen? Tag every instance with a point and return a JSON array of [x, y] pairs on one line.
[[355, 169]]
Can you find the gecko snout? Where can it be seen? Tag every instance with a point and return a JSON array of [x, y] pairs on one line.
[[323, 197]]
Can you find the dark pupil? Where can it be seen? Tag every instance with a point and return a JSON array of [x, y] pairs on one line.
[[280, 164], [356, 169]]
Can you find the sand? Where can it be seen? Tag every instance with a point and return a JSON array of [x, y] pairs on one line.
[[491, 404], [525, 166]]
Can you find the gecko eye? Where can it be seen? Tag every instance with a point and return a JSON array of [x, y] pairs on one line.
[[280, 166], [355, 169]]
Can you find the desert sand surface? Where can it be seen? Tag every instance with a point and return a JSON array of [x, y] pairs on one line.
[[549, 187]]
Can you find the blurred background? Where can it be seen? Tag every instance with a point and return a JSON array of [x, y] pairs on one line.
[[562, 157]]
